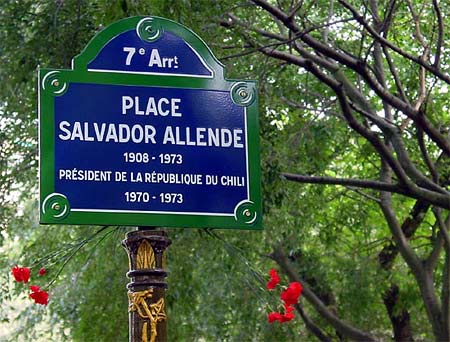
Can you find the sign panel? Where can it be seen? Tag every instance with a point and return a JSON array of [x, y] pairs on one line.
[[145, 130]]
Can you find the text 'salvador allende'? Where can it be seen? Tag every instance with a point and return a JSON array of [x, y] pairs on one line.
[[148, 134]]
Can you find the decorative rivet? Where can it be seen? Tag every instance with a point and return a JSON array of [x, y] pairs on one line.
[[243, 93], [247, 213], [56, 206], [56, 83]]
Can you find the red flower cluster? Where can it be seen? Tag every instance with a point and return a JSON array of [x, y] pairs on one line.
[[274, 279], [289, 297], [292, 293], [282, 318], [22, 274], [39, 296]]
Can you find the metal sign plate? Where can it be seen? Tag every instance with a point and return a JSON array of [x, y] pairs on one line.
[[145, 130]]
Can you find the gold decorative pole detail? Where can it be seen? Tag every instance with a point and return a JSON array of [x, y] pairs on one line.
[[154, 312], [145, 256], [146, 291]]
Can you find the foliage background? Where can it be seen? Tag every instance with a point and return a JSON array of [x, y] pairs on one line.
[[217, 279], [213, 291]]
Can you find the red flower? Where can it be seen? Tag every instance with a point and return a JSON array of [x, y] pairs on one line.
[[21, 274], [292, 293], [39, 296], [282, 318], [42, 271], [288, 308], [274, 316], [35, 288], [289, 297], [288, 316], [274, 279]]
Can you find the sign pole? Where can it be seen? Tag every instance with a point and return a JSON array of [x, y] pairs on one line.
[[146, 248]]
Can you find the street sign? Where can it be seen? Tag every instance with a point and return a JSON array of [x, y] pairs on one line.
[[145, 130]]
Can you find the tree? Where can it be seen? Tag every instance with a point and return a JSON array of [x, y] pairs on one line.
[[379, 68]]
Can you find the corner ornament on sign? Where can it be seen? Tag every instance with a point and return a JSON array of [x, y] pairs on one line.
[[56, 206], [243, 94], [149, 30], [53, 83]]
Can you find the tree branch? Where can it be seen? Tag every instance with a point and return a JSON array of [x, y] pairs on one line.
[[341, 326], [440, 40], [443, 227], [424, 279], [434, 70], [360, 67], [409, 226], [394, 73], [360, 183], [405, 249], [439, 198], [445, 296], [311, 326]]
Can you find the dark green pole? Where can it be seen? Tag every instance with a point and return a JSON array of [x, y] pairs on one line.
[[146, 290]]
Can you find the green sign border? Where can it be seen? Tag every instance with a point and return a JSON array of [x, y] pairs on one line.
[[54, 207]]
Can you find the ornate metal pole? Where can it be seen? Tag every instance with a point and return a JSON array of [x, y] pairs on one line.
[[146, 291]]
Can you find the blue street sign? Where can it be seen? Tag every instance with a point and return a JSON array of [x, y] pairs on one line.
[[146, 131]]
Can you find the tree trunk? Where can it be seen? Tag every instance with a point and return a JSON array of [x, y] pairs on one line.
[[399, 318]]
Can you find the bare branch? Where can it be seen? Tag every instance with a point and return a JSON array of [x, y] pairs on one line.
[[360, 183], [410, 168], [398, 315], [400, 318], [295, 9], [433, 258], [415, 192], [386, 24], [424, 57], [330, 15], [437, 56], [363, 194], [434, 70], [441, 199], [443, 227], [311, 326], [445, 296], [405, 249], [426, 157], [424, 279], [416, 20], [360, 67], [409, 226]]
